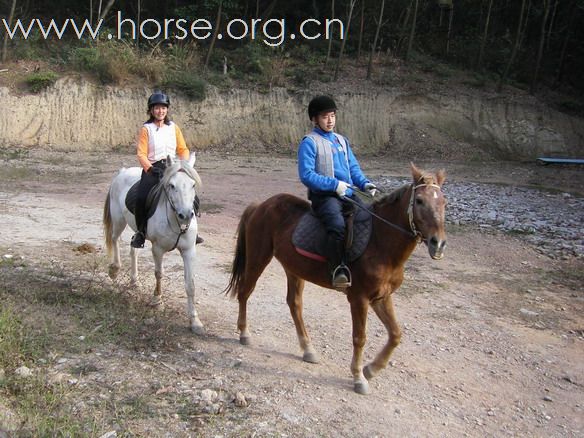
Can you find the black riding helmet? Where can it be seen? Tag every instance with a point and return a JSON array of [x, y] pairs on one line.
[[158, 98], [321, 104]]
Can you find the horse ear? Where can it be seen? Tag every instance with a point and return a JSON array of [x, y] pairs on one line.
[[192, 159], [440, 177], [416, 173], [168, 161]]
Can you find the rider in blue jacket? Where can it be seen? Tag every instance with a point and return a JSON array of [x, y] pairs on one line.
[[327, 166]]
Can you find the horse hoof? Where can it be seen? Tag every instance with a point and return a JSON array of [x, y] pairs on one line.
[[155, 301], [198, 330], [361, 388], [310, 357], [113, 271], [244, 340]]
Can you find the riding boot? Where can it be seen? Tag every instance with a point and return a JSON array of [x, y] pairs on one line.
[[139, 238], [340, 274]]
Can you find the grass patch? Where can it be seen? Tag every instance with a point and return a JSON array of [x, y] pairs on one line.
[[17, 174], [44, 312], [37, 82], [13, 154]]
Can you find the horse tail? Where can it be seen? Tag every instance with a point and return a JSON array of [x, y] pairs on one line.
[[238, 265], [107, 224]]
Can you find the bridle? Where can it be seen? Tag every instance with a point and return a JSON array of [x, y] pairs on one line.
[[413, 232], [181, 230]]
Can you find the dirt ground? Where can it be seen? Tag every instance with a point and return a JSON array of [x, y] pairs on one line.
[[493, 334]]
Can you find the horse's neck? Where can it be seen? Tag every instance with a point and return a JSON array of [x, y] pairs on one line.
[[394, 245]]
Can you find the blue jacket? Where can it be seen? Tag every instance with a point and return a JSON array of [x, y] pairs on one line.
[[315, 182]]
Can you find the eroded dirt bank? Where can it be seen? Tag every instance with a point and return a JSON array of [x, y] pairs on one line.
[[436, 122]]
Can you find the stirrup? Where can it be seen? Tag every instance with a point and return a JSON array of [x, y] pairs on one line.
[[138, 240], [341, 277]]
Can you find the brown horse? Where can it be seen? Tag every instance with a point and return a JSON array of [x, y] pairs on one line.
[[408, 215]]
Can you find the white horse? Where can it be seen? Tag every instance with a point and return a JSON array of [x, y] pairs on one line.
[[173, 225]]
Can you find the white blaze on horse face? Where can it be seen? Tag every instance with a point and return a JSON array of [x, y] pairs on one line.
[[435, 194]]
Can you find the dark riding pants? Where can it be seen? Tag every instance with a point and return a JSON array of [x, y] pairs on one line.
[[329, 209], [147, 181]]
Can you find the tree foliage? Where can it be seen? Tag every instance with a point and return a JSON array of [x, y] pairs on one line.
[[546, 49]]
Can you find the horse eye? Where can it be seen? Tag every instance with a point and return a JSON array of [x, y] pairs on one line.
[[419, 201], [172, 186]]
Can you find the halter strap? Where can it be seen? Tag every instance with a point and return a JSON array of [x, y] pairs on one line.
[[180, 230], [416, 233]]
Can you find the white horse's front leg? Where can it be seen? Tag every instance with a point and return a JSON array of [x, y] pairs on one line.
[[133, 266], [114, 267], [188, 256], [157, 254]]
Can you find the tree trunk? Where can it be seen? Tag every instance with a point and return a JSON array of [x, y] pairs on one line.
[[565, 43], [328, 53], [515, 48], [105, 10], [402, 32], [412, 31], [138, 22], [546, 13], [351, 6], [450, 15], [5, 42], [552, 20], [485, 36], [215, 32], [370, 64], [361, 28]]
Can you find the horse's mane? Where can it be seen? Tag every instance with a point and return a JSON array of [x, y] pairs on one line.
[[181, 166], [396, 195], [392, 197]]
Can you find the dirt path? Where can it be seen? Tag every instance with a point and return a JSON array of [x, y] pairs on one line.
[[492, 343]]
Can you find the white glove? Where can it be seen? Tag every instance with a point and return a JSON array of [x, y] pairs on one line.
[[341, 189], [371, 188]]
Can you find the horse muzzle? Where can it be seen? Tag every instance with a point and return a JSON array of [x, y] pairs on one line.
[[436, 247], [184, 217]]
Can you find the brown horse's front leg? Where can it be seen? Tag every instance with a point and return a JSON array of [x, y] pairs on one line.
[[294, 300], [359, 308], [244, 337], [384, 310]]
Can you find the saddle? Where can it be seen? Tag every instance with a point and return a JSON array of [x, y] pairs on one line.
[[309, 236], [151, 200]]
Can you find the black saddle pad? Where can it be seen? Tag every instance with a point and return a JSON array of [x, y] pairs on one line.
[[151, 201], [310, 235]]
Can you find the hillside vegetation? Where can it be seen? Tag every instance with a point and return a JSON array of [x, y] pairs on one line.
[[533, 45]]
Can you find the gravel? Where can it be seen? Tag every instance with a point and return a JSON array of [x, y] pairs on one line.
[[552, 222]]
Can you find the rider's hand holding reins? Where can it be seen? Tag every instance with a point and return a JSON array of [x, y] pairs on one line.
[[371, 189], [341, 189]]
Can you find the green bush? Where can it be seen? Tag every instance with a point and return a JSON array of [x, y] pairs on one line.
[[39, 81], [188, 82], [116, 62]]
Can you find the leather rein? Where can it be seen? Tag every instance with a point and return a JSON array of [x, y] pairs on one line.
[[413, 232]]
